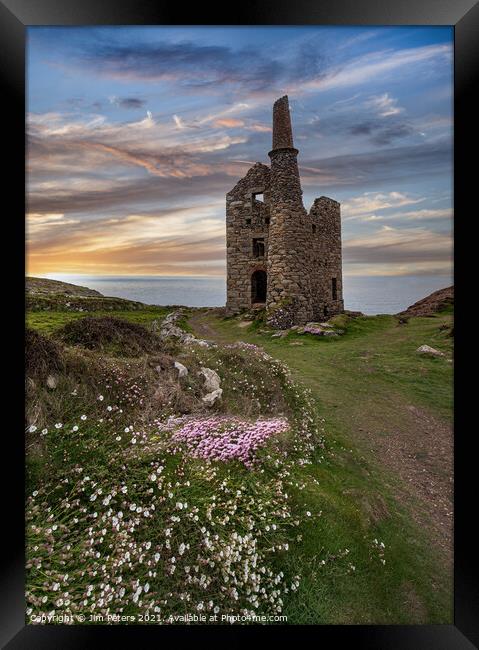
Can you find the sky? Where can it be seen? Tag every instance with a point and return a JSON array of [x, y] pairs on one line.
[[136, 134]]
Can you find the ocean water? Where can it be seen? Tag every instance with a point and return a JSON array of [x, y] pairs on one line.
[[369, 294]]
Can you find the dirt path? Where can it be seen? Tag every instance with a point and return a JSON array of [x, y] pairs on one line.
[[203, 329], [419, 452], [414, 446]]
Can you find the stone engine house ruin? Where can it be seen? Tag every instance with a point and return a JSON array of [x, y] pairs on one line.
[[279, 255]]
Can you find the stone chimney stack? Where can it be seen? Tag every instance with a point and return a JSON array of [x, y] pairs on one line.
[[282, 131], [286, 184], [289, 270]]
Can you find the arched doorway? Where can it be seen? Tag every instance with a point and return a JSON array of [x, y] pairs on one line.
[[258, 287]]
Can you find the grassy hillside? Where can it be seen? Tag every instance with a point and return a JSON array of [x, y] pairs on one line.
[[48, 322], [289, 505], [387, 415]]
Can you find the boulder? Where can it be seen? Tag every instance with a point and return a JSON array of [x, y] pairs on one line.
[[182, 370], [432, 352], [312, 328], [202, 343], [212, 379], [210, 398], [169, 329]]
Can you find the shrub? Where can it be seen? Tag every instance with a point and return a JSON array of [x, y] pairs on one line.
[[111, 335], [43, 356]]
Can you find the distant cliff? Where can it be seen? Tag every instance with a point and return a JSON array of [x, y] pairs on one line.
[[47, 295], [43, 286], [430, 305]]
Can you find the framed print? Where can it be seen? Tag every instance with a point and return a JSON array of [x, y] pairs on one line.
[[239, 323]]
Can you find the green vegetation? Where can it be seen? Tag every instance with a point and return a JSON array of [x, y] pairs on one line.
[[49, 321], [322, 522], [375, 360], [364, 384], [123, 518]]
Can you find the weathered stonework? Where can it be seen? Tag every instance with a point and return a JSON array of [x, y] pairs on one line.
[[278, 255]]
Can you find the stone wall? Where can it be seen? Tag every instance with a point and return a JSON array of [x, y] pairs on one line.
[[327, 257], [246, 219]]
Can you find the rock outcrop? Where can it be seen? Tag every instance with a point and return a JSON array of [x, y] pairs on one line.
[[212, 385], [429, 351], [169, 329], [430, 305]]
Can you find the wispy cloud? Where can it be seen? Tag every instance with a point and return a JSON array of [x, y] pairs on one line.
[[199, 67], [378, 167], [399, 246], [376, 65], [369, 202], [127, 102], [145, 242], [384, 105], [39, 223], [228, 122], [410, 215], [161, 154]]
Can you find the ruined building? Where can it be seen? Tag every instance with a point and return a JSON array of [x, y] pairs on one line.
[[279, 255]]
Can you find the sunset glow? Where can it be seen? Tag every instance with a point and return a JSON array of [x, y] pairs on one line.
[[136, 134]]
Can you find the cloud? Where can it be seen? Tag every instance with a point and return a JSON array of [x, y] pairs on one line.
[[387, 135], [228, 123], [118, 196], [411, 215], [204, 257], [384, 105], [372, 217], [197, 66], [399, 269], [371, 201], [179, 122], [128, 102], [399, 246], [380, 133], [299, 68], [260, 128], [65, 146], [87, 156], [379, 64], [379, 167], [444, 213], [165, 242], [38, 223], [375, 118]]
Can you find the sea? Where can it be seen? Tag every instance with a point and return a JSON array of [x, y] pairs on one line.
[[369, 294]]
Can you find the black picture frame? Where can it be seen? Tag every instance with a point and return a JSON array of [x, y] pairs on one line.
[[15, 15]]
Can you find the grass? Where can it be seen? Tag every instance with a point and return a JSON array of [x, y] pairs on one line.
[[363, 383], [48, 322], [339, 524], [356, 509], [98, 460], [376, 357]]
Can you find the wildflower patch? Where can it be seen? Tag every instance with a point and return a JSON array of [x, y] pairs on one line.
[[139, 509], [228, 438]]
